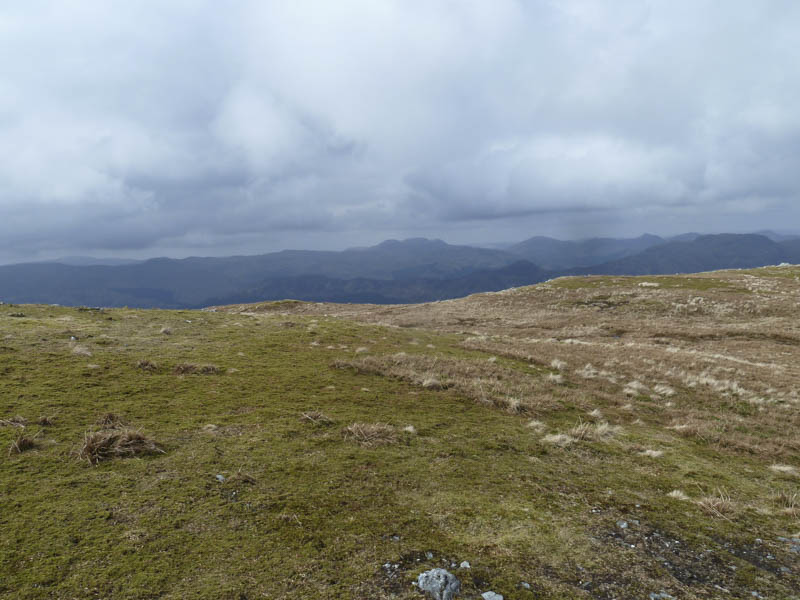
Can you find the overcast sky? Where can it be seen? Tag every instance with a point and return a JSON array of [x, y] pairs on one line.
[[153, 128]]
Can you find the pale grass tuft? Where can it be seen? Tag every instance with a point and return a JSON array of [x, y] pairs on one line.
[[537, 426], [588, 371], [166, 331], [558, 439], [432, 383], [556, 378], [652, 453], [410, 429], [596, 432], [664, 390], [678, 495], [719, 505], [558, 365], [635, 388], [514, 405], [789, 502], [785, 470], [596, 414], [370, 434], [81, 350], [362, 349]]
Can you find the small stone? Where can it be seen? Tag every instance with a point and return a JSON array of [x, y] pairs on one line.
[[429, 555], [491, 596], [440, 584], [622, 524], [525, 584], [464, 564], [220, 478]]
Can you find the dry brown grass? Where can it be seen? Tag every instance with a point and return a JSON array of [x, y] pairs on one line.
[[15, 421], [45, 421], [596, 432], [192, 369], [111, 421], [713, 356], [788, 502], [21, 444], [718, 505], [316, 417], [147, 366], [370, 434], [116, 443], [481, 380]]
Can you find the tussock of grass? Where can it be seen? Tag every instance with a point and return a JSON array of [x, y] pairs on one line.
[[370, 434], [166, 331], [719, 505], [45, 421], [117, 443], [596, 432], [21, 444], [192, 369], [788, 502], [147, 365]]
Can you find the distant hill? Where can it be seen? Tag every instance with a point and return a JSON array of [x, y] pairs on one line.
[[705, 253], [396, 291], [194, 282], [87, 261], [415, 270], [555, 254]]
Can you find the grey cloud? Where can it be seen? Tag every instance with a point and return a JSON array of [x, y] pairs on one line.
[[149, 127]]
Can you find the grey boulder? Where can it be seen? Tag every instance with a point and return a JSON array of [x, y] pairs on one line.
[[440, 584]]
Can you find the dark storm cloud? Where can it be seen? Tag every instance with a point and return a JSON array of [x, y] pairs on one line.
[[149, 127]]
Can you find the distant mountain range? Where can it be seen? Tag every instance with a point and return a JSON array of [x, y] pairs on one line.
[[413, 270]]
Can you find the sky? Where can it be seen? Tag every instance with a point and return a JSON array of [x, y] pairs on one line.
[[151, 128]]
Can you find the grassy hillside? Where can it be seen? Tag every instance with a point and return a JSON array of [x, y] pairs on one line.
[[594, 437]]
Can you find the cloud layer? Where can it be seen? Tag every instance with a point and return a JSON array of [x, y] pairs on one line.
[[150, 127]]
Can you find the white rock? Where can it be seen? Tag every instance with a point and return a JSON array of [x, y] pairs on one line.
[[440, 584]]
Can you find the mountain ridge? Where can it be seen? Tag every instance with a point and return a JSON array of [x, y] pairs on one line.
[[394, 271]]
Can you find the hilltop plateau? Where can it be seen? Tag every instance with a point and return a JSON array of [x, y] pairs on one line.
[[585, 437]]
